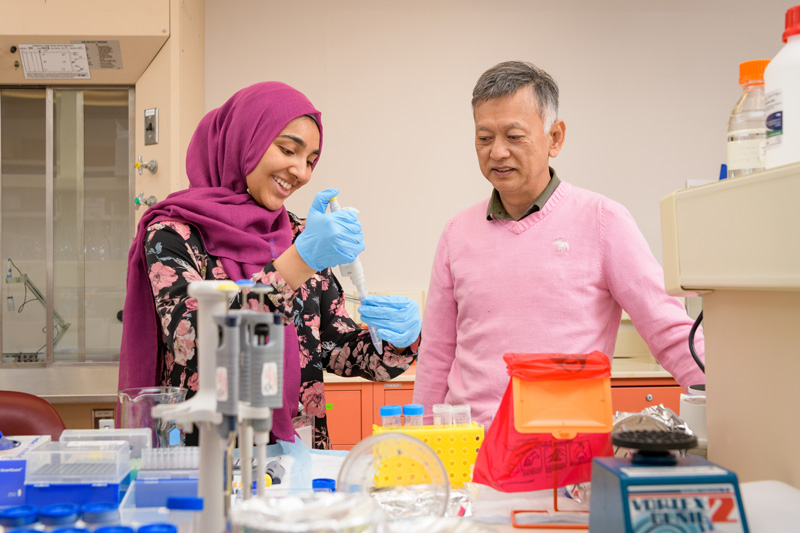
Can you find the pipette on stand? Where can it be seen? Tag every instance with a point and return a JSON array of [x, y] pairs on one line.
[[265, 352], [245, 427], [355, 272]]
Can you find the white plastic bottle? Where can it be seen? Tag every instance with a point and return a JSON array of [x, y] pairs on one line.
[[747, 132], [782, 87]]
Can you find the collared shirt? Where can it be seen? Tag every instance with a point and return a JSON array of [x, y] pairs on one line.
[[495, 208]]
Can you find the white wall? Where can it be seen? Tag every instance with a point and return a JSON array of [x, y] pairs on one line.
[[646, 89]]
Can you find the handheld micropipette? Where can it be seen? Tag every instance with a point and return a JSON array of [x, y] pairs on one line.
[[355, 272]]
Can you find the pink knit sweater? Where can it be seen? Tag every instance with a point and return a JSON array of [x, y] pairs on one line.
[[553, 282]]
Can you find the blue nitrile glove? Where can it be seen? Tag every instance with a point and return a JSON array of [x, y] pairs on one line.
[[395, 318], [329, 239]]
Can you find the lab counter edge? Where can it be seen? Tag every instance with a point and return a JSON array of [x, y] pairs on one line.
[[89, 383]]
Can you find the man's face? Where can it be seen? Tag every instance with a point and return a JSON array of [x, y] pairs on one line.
[[513, 149]]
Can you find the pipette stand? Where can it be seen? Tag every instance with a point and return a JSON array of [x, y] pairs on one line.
[[201, 409]]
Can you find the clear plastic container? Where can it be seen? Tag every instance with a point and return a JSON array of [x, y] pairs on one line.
[[412, 414], [390, 416], [93, 470], [139, 438], [462, 415], [85, 462], [443, 415], [178, 458], [308, 513], [402, 474], [747, 130], [782, 87], [184, 513]]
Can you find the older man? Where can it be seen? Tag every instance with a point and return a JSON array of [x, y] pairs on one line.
[[541, 266]]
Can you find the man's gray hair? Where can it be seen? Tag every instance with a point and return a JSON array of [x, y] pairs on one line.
[[505, 79]]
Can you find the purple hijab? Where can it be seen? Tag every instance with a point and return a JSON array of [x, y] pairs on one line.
[[226, 146]]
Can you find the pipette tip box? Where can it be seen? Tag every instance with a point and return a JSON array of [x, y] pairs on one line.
[[77, 472]]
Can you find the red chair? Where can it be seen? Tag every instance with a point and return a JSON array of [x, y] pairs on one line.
[[26, 414]]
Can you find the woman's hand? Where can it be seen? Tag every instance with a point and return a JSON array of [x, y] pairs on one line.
[[396, 319], [329, 239]]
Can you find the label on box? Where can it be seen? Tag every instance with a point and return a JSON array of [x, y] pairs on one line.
[[12, 482], [12, 469], [690, 508]]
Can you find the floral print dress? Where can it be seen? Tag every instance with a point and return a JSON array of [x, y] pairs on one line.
[[329, 339]]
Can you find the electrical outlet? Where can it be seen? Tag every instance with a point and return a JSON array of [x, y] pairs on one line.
[[151, 126], [100, 416]]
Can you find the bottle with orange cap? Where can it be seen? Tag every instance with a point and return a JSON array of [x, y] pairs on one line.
[[782, 87], [747, 131]]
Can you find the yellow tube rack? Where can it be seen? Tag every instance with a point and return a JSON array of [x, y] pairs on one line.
[[456, 446]]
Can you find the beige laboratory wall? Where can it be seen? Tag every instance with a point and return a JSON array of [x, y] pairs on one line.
[[646, 90], [162, 46]]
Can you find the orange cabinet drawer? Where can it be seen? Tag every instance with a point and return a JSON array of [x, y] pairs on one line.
[[348, 413], [344, 416], [634, 399], [397, 396]]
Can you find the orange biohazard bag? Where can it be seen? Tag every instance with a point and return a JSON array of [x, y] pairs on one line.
[[567, 395]]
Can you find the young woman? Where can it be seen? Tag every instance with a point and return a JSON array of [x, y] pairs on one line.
[[243, 161]]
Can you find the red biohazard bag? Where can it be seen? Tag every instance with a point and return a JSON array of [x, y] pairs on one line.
[[512, 461]]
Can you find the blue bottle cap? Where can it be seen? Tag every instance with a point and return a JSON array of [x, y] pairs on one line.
[[114, 529], [323, 484], [245, 283], [412, 409], [21, 515], [390, 410], [100, 512], [185, 503], [71, 530], [59, 513], [158, 528]]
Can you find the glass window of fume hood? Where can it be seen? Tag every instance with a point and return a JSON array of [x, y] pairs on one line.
[[66, 221]]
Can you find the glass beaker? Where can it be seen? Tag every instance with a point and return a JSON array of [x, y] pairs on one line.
[[136, 406]]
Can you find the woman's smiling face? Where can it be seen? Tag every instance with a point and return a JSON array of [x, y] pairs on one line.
[[286, 165]]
